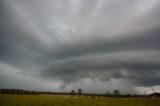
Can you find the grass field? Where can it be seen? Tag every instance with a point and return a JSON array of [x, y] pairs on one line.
[[50, 100]]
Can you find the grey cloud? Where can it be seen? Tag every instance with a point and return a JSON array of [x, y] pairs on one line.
[[73, 40], [145, 41], [135, 66]]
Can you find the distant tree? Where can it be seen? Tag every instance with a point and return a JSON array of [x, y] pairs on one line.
[[79, 92], [86, 95], [108, 93], [116, 92], [127, 95], [72, 93]]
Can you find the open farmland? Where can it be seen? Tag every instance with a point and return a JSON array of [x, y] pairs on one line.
[[50, 100]]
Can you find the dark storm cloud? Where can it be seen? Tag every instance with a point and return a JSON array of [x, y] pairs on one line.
[[140, 67], [148, 40], [74, 40]]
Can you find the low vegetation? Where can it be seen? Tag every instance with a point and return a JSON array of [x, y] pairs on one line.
[[67, 100], [18, 97]]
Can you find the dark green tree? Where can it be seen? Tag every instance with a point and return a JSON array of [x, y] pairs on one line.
[[79, 92], [107, 93], [72, 93], [116, 93]]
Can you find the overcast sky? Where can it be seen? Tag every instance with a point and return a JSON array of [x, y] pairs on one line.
[[95, 45]]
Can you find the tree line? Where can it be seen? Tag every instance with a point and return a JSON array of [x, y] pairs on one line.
[[17, 91], [115, 93]]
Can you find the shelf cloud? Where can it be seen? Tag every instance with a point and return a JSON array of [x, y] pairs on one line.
[[61, 45]]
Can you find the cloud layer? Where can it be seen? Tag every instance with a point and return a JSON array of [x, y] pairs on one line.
[[62, 45]]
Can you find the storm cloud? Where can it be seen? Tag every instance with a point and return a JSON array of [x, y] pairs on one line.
[[97, 45]]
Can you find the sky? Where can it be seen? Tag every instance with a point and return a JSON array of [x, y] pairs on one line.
[[95, 45]]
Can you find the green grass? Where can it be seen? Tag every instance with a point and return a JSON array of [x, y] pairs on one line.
[[50, 100]]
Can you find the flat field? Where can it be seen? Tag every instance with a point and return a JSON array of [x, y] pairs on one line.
[[53, 100]]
